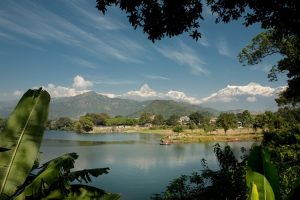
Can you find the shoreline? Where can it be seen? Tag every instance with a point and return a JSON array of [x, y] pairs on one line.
[[187, 136]]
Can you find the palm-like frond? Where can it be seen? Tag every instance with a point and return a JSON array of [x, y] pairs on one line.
[[20, 140], [50, 173], [84, 175]]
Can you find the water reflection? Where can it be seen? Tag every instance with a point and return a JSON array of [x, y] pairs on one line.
[[139, 165]]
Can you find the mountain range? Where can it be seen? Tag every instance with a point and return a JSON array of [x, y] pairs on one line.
[[92, 102], [253, 97]]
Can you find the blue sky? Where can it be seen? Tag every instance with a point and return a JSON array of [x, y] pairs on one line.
[[70, 47]]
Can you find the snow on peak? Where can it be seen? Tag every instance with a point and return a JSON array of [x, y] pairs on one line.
[[253, 89], [145, 91], [180, 96]]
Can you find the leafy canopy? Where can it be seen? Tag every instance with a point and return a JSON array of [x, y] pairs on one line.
[[280, 19]]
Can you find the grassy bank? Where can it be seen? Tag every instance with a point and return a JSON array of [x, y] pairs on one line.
[[196, 135]]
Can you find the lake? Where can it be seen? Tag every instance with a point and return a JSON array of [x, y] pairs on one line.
[[139, 166]]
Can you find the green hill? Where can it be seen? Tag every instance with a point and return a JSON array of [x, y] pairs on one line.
[[92, 102], [168, 107]]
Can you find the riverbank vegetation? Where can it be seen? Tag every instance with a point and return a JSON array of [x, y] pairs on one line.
[[193, 128]]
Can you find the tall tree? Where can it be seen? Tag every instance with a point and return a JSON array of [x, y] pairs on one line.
[[227, 121], [158, 120], [145, 118], [247, 119], [196, 117]]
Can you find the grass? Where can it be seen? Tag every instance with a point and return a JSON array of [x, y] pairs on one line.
[[187, 136]]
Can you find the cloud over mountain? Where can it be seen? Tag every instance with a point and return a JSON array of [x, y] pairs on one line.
[[230, 93], [252, 96], [146, 93]]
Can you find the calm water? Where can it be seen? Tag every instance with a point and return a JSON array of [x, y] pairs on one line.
[[139, 166]]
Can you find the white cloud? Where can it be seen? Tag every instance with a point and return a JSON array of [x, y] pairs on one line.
[[64, 31], [180, 96], [230, 93], [203, 41], [251, 99], [110, 95], [61, 91], [146, 93], [82, 62], [223, 48], [185, 56], [17, 93], [156, 77], [80, 83]]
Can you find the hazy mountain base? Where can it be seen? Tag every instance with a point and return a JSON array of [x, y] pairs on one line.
[[92, 102]]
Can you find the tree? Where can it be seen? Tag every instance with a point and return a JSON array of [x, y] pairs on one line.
[[259, 122], [173, 120], [62, 123], [247, 119], [145, 118], [192, 126], [98, 119], [269, 43], [227, 121], [85, 124], [280, 19], [226, 183], [158, 120], [197, 118], [178, 129]]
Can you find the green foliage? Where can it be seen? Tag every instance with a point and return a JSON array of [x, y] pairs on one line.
[[268, 43], [2, 123], [145, 118], [197, 118], [62, 123], [85, 124], [259, 186], [173, 120], [98, 119], [227, 121], [192, 126], [121, 121], [21, 139], [158, 120], [247, 119], [54, 180], [226, 183], [284, 148], [262, 173], [178, 129], [157, 18]]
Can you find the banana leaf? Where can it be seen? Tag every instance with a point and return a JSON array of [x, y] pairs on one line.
[[263, 188], [84, 175], [262, 175], [21, 140], [50, 173], [53, 181], [82, 192]]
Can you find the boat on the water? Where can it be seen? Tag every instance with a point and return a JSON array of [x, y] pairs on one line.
[[164, 142]]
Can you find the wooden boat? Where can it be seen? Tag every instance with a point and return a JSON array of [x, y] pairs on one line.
[[164, 142]]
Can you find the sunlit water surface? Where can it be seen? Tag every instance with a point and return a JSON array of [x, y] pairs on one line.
[[139, 166]]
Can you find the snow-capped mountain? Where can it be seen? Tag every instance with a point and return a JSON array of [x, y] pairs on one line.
[[252, 96]]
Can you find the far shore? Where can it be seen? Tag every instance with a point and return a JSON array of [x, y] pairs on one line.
[[187, 136]]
